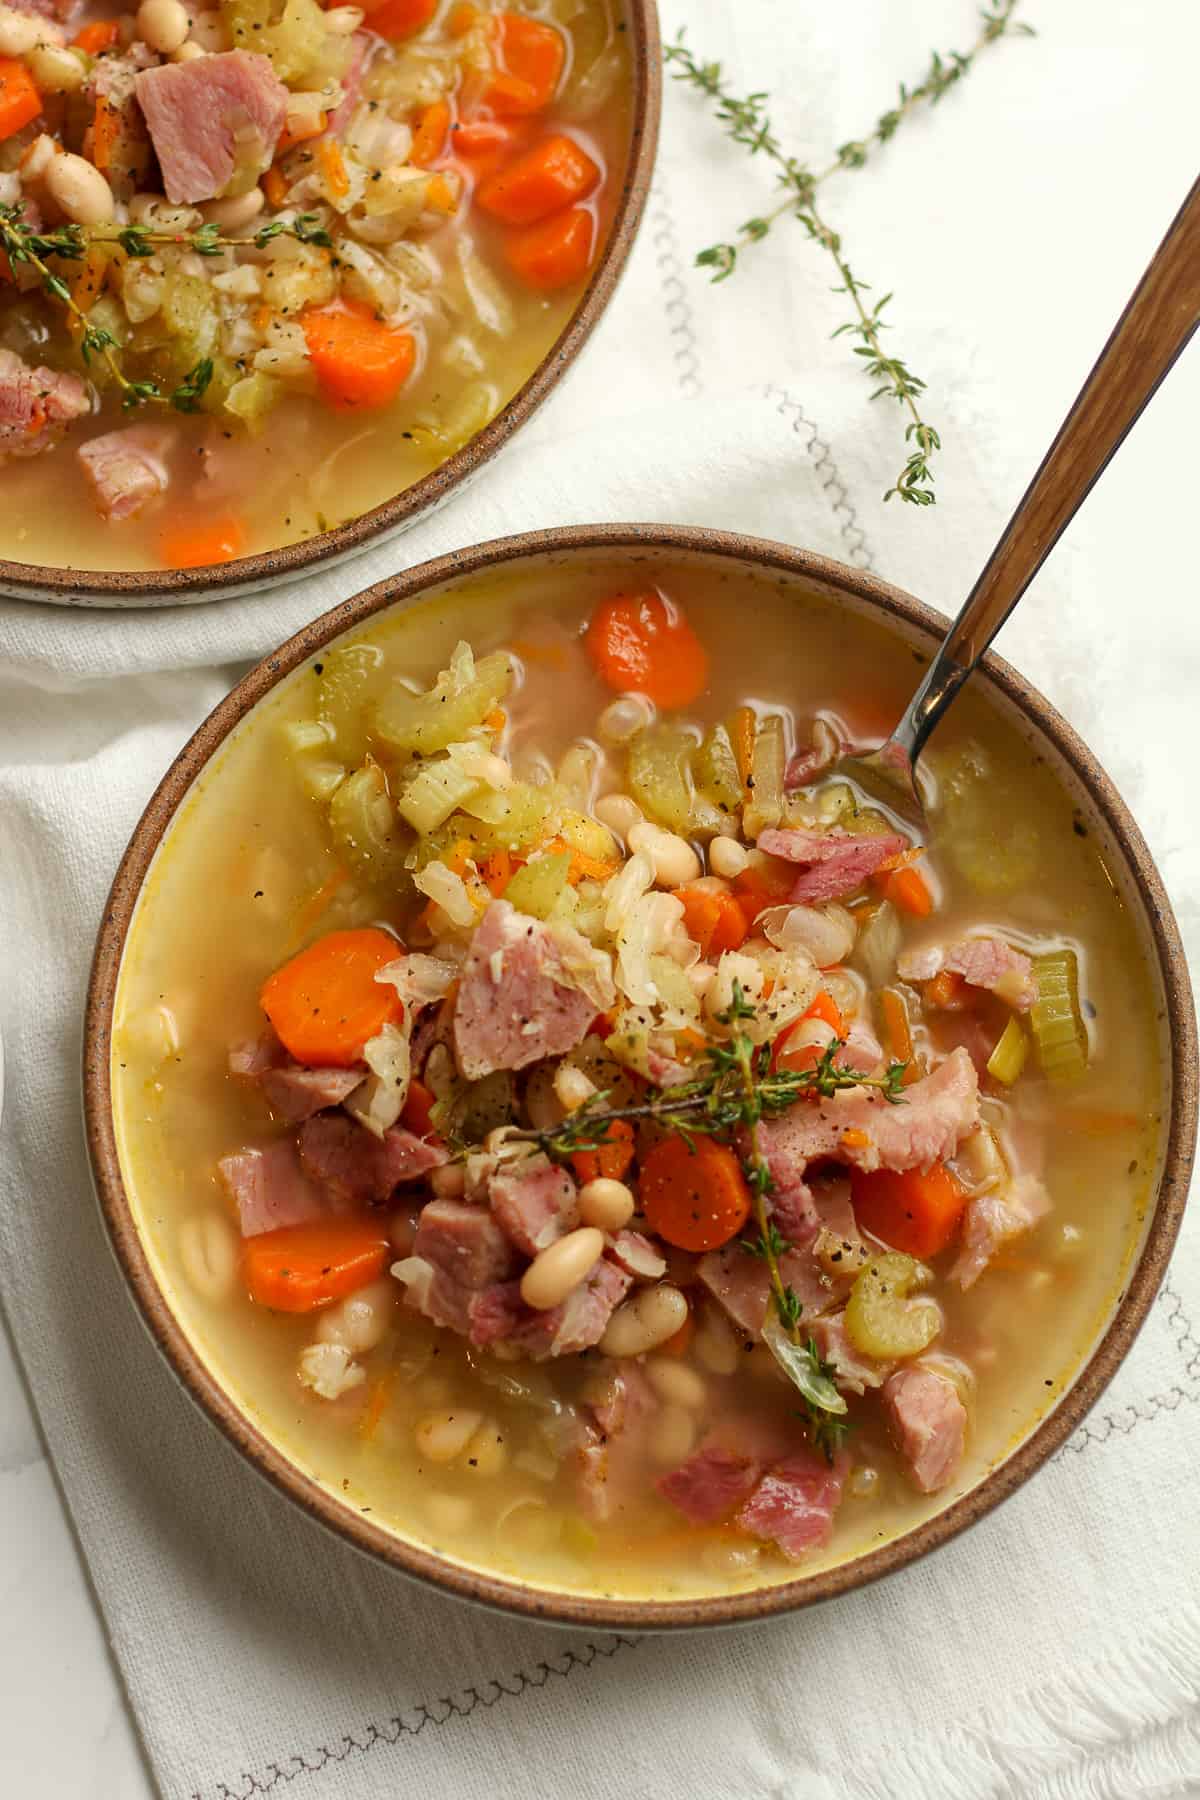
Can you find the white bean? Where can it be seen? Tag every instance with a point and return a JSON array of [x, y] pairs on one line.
[[208, 1251], [647, 1320], [674, 1435], [619, 812], [573, 1088], [359, 1321], [37, 159], [827, 932], [56, 69], [606, 1204], [727, 857], [553, 1273], [442, 1436], [19, 32], [622, 719], [675, 862], [716, 1346], [163, 24], [188, 52], [238, 211], [80, 190], [343, 21], [676, 1384]]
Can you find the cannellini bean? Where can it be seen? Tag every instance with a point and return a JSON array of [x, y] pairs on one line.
[[674, 1435], [80, 190], [163, 24], [238, 211], [573, 1087], [19, 32], [727, 857], [208, 1251], [58, 70], [653, 1315], [449, 1181], [343, 21], [37, 159], [360, 1320], [826, 932], [554, 1272], [716, 1346], [675, 862], [619, 812], [442, 1436], [676, 1384], [486, 1453], [622, 719], [189, 52], [606, 1204]]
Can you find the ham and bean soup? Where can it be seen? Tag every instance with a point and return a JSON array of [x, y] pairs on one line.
[[266, 265], [594, 1139]]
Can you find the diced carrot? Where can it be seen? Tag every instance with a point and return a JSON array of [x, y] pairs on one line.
[[530, 57], [463, 18], [430, 134], [907, 889], [96, 38], [694, 1197], [275, 187], [300, 1267], [896, 1027], [360, 363], [333, 167], [714, 921], [554, 253], [106, 133], [826, 1007], [855, 1139], [758, 888], [482, 146], [311, 128], [442, 194], [555, 173], [742, 727], [497, 870], [807, 1056], [325, 1003], [418, 1109], [19, 99], [915, 1212], [582, 867], [613, 1157], [399, 19], [947, 991], [678, 1343], [642, 643], [198, 546], [495, 720]]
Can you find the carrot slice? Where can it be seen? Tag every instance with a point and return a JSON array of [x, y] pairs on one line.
[[482, 146], [301, 1267], [947, 991], [695, 1198], [430, 134], [333, 167], [530, 57], [896, 1025], [642, 643], [807, 1056], [612, 1159], [325, 1003], [19, 99], [275, 187], [97, 37], [742, 728], [360, 363], [914, 1212], [400, 19], [554, 253], [756, 888], [198, 546], [418, 1109], [554, 173], [907, 889], [714, 921], [826, 1007]]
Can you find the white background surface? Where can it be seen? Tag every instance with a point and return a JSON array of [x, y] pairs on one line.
[[1011, 224]]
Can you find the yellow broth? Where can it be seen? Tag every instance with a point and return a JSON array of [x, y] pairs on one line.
[[231, 895]]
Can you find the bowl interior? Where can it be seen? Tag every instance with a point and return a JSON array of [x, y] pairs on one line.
[[598, 554]]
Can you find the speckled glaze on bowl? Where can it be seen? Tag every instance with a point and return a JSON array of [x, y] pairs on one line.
[[178, 587], [915, 625]]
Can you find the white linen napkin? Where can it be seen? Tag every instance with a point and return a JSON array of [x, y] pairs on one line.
[[1052, 1653]]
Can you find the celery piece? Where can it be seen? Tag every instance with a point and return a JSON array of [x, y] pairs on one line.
[[251, 399], [1008, 1058], [588, 836], [511, 818], [765, 805], [660, 776], [303, 735], [881, 1320], [365, 830], [1058, 1028], [349, 681], [448, 711], [537, 887], [432, 793], [716, 771]]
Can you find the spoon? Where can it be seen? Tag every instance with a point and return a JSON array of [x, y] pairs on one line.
[[1147, 338]]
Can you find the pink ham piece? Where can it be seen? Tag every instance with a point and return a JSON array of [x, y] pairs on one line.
[[357, 1167], [928, 1422], [270, 1188], [292, 1091], [833, 863], [210, 117], [983, 962], [581, 1319], [637, 1256], [517, 1001], [711, 1483], [36, 405], [534, 1201], [631, 1400], [794, 1505], [611, 1468], [126, 469], [854, 1372], [991, 1220], [741, 1283], [459, 1253]]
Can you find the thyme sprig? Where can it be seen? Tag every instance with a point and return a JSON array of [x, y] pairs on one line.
[[747, 121]]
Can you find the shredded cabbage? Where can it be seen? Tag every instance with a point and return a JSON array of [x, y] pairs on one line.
[[647, 929], [379, 1101], [447, 890]]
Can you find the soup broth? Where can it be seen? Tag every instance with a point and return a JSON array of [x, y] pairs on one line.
[[561, 1470]]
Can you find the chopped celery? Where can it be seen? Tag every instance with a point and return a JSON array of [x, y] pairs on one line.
[[304, 735], [433, 792], [660, 776], [322, 778], [1008, 1058], [716, 771], [460, 700], [1058, 1028], [251, 399], [881, 1320], [347, 685], [364, 826], [765, 805], [588, 836], [537, 887], [511, 818]]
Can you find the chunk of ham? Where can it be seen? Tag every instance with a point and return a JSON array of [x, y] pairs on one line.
[[637, 1256], [983, 962], [741, 1283], [270, 1188], [36, 405], [211, 117], [111, 94], [928, 1423], [126, 469], [630, 1400], [992, 1220], [833, 863], [854, 1372], [535, 1202], [518, 999], [292, 1091], [459, 1254], [581, 1319], [713, 1481], [357, 1167], [795, 1504]]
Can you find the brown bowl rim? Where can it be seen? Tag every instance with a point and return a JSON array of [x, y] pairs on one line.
[[601, 1612], [163, 587]]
